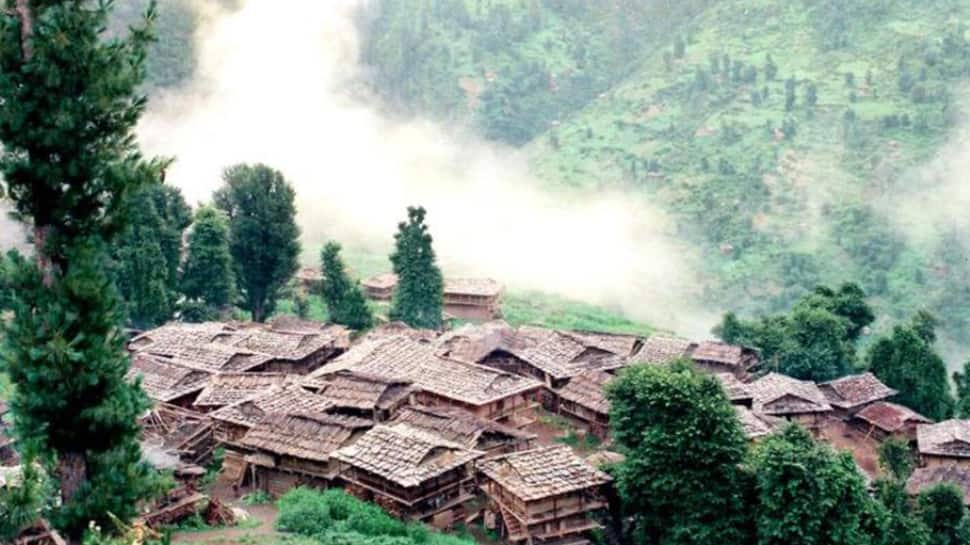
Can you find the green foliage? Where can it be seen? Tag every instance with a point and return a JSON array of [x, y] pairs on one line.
[[22, 504], [897, 458], [207, 276], [681, 481], [807, 494], [6, 278], [333, 516], [941, 508], [905, 360], [70, 166], [900, 525], [962, 381], [553, 311], [345, 300], [259, 497], [418, 299], [816, 341], [263, 235]]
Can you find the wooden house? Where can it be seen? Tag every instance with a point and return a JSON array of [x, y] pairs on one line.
[[584, 400], [664, 349], [792, 399], [848, 395], [718, 357], [167, 380], [213, 357], [945, 443], [883, 420], [756, 426], [473, 298], [228, 388], [483, 391], [544, 495], [924, 478], [297, 352], [464, 428], [178, 333], [474, 343], [380, 287], [233, 421], [737, 392], [410, 473], [286, 451], [361, 394]]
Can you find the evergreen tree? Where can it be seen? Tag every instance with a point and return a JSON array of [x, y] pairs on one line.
[[962, 381], [70, 164], [207, 274], [942, 510], [263, 235], [345, 299], [808, 494], [901, 525], [906, 362], [418, 299], [681, 482]]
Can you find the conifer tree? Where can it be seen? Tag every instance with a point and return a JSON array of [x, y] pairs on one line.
[[207, 273], [420, 286], [345, 299], [70, 166], [263, 235], [962, 381]]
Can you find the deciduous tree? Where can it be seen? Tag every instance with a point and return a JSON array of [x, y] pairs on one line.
[[263, 235], [418, 299], [942, 510]]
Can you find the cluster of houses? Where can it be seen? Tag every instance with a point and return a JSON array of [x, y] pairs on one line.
[[442, 427]]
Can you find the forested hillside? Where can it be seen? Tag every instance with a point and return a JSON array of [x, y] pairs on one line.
[[779, 133]]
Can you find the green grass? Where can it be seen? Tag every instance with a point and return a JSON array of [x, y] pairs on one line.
[[548, 310]]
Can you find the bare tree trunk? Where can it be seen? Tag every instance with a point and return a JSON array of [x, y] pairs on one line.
[[26, 28], [72, 472]]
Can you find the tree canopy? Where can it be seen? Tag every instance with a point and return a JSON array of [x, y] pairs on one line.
[[418, 299], [207, 276], [263, 235], [345, 299]]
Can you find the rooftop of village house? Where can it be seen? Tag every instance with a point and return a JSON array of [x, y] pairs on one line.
[[856, 390], [405, 455], [287, 399], [166, 380], [381, 281], [663, 349], [588, 390], [735, 389], [456, 425], [228, 388], [890, 417], [358, 390], [927, 477], [311, 437], [756, 425], [477, 287], [543, 472], [949, 438], [721, 353], [804, 396], [560, 354]]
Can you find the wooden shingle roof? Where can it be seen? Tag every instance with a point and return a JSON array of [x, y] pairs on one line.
[[287, 399], [561, 355], [543, 472], [890, 417], [228, 388], [856, 390], [405, 455], [588, 390], [456, 425], [719, 352], [736, 390], [478, 287], [181, 334], [213, 357], [308, 437], [928, 477], [165, 380], [777, 394], [755, 425], [362, 391], [950, 438], [663, 349]]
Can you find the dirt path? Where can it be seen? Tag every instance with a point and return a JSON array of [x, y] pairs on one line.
[[245, 534]]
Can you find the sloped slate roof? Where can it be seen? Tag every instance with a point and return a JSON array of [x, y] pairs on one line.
[[455, 424], [178, 333], [949, 438], [166, 380], [405, 455], [543, 472], [287, 399], [381, 281], [890, 417], [662, 349], [308, 437], [777, 394], [213, 357], [588, 389], [474, 342], [718, 352], [228, 388], [734, 388], [560, 355], [856, 390], [755, 425], [354, 390], [927, 477], [478, 287], [621, 345]]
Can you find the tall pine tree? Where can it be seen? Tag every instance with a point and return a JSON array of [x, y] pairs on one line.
[[345, 299], [420, 287], [70, 164], [207, 273], [263, 235]]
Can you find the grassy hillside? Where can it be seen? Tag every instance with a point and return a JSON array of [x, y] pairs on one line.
[[778, 133]]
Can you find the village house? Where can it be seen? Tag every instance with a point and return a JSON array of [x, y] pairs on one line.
[[475, 342], [172, 429], [945, 443], [848, 395], [380, 287], [472, 298], [233, 421], [664, 349], [792, 399], [410, 473], [544, 495], [756, 426], [228, 388], [718, 357], [737, 392], [296, 352], [180, 334], [462, 427], [285, 451], [883, 420], [584, 400], [308, 279], [924, 478], [483, 391], [213, 357], [168, 380], [360, 394]]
